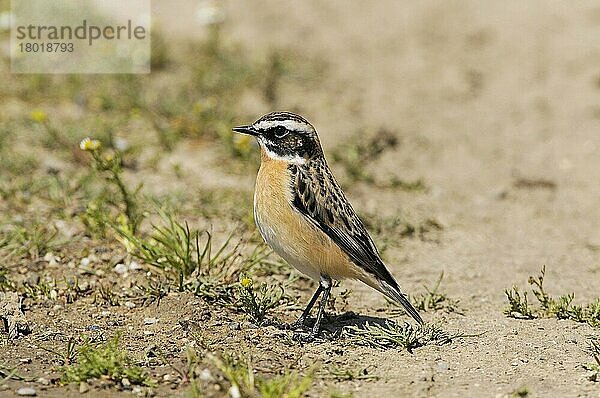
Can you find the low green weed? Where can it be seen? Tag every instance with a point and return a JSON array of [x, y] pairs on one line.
[[186, 256], [33, 241], [257, 301], [593, 349], [561, 307], [433, 300], [242, 379], [105, 360], [110, 165], [518, 305], [358, 152]]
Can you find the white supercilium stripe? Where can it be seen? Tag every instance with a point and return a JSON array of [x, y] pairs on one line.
[[288, 124]]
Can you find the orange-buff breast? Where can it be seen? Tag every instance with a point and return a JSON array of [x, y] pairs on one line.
[[289, 233]]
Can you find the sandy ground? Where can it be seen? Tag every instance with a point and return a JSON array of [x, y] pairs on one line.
[[481, 95]]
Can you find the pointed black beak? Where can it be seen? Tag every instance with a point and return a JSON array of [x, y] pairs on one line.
[[245, 130]]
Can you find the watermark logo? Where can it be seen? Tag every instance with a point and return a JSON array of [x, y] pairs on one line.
[[80, 36]]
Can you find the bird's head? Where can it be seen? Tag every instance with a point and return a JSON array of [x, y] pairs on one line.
[[285, 136]]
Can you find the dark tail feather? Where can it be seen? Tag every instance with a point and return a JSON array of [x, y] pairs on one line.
[[395, 294]]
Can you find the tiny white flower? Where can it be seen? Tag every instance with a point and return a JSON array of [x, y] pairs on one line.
[[88, 144]]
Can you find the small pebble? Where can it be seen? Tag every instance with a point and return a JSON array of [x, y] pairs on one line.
[[85, 262], [125, 382], [83, 387], [234, 392], [43, 381], [443, 366], [25, 360], [121, 269], [137, 390], [205, 375], [150, 321], [26, 392], [129, 304], [33, 279], [234, 326]]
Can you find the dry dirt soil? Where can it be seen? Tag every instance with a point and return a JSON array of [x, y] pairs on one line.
[[496, 108]]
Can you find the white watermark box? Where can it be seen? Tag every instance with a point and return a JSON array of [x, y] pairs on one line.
[[80, 36]]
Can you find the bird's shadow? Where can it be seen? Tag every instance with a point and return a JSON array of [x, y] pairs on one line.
[[333, 326]]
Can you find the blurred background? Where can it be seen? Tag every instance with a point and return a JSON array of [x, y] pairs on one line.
[[466, 133]]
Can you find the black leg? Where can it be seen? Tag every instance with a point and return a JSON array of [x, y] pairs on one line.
[[306, 312], [326, 287]]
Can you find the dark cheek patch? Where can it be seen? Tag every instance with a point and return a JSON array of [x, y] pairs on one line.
[[289, 146]]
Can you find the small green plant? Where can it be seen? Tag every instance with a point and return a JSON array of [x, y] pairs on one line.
[[152, 292], [9, 373], [421, 230], [175, 250], [518, 306], [237, 373], [33, 241], [520, 392], [415, 185], [340, 374], [53, 138], [338, 394], [106, 294], [44, 288], [288, 385], [242, 379], [111, 166], [358, 152], [104, 360], [256, 302], [395, 335], [593, 349], [5, 283], [73, 290], [172, 247], [433, 300], [561, 307], [188, 373]]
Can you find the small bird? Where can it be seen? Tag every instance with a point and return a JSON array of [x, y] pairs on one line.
[[304, 216]]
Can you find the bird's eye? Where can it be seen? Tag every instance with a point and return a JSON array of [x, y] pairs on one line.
[[280, 132]]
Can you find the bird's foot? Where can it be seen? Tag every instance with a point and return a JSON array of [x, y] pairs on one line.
[[311, 337], [299, 324]]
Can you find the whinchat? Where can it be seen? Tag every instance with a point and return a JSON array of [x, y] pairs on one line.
[[304, 216]]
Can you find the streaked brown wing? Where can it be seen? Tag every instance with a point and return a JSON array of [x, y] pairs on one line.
[[318, 196]]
